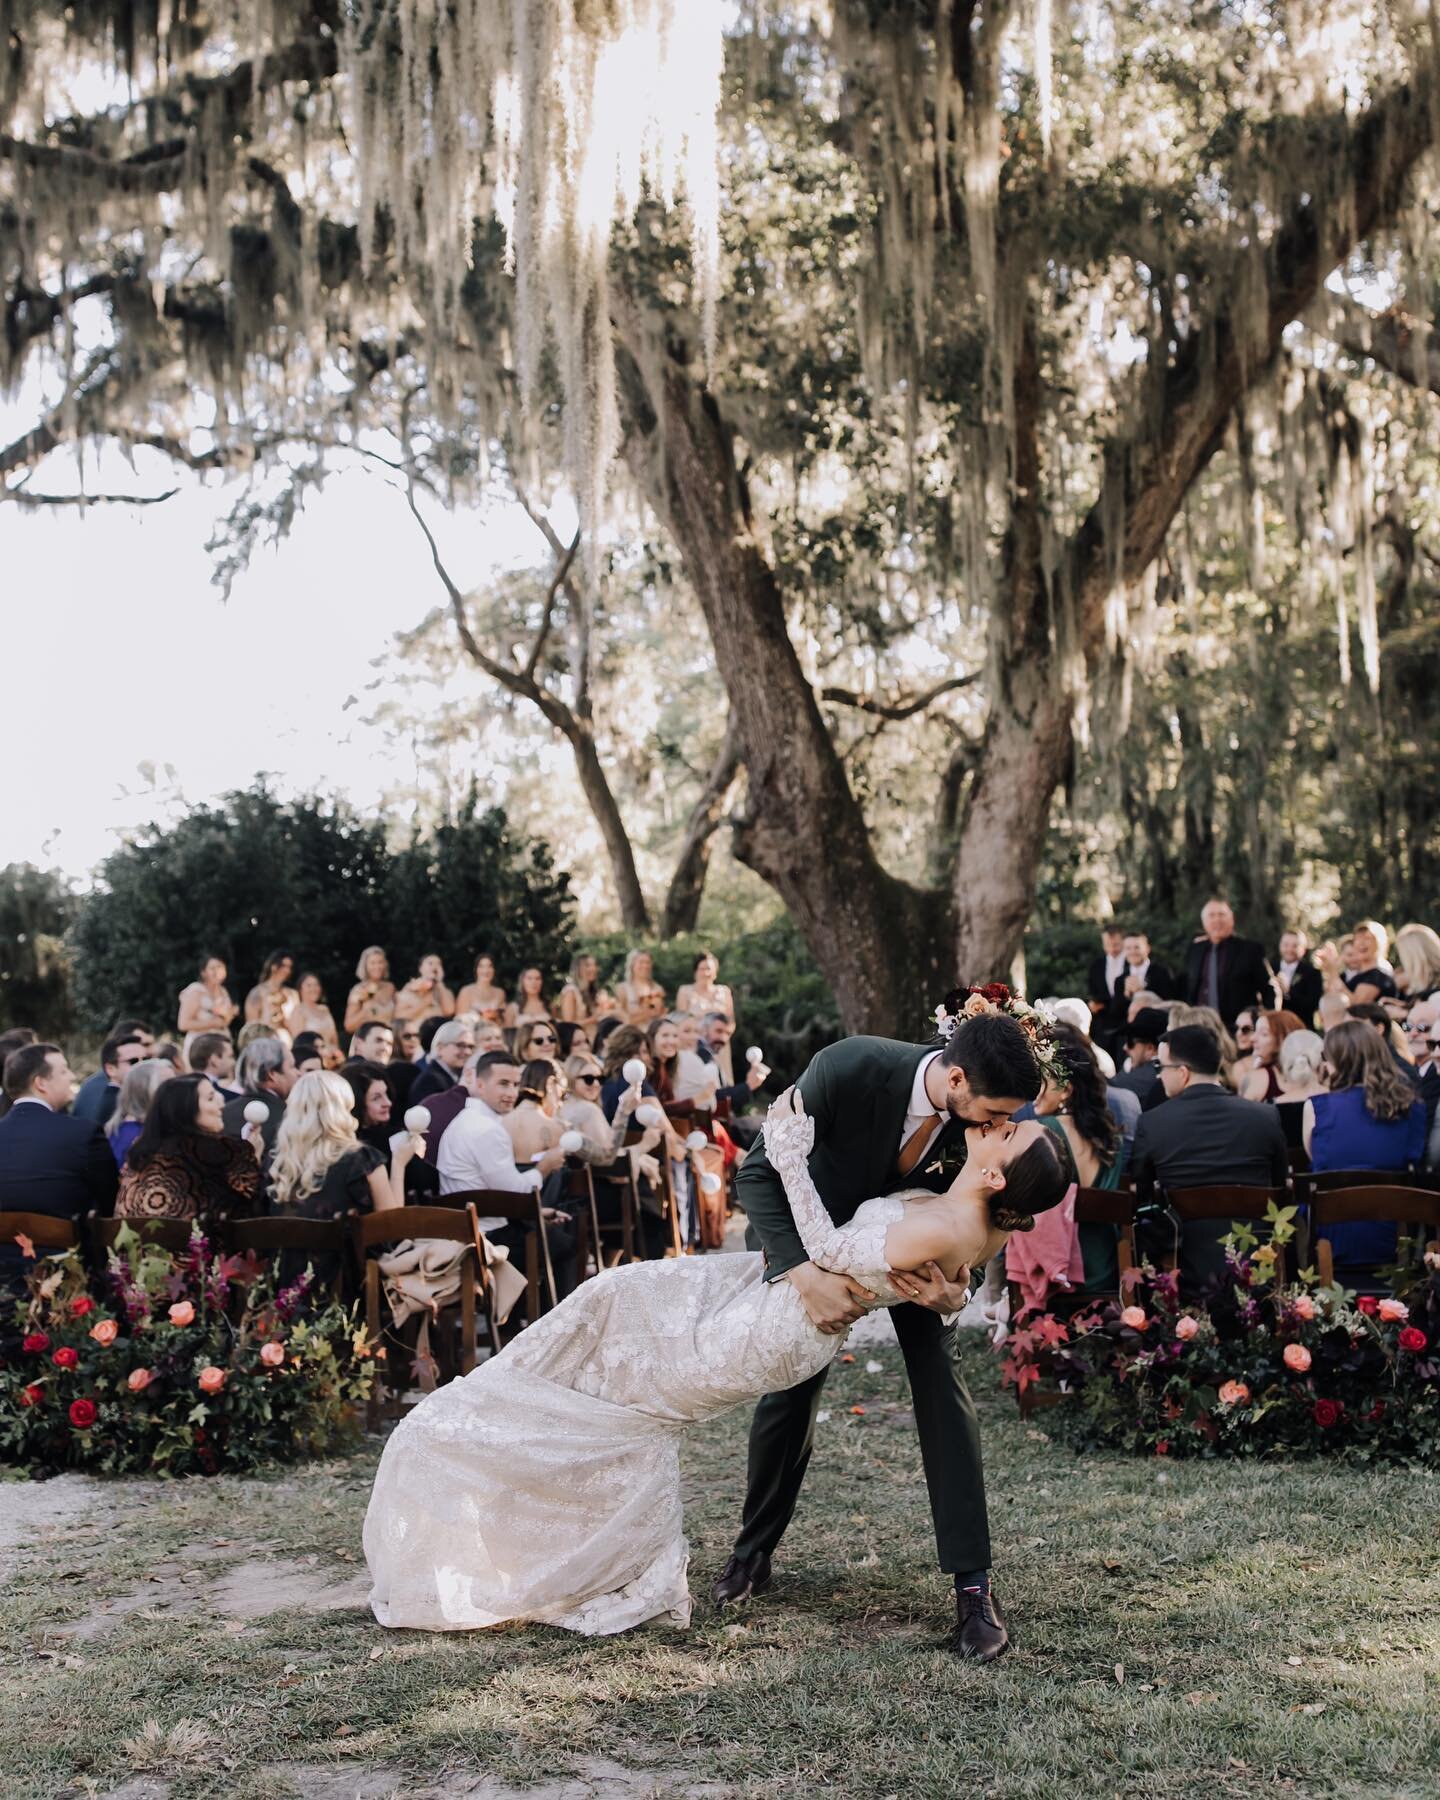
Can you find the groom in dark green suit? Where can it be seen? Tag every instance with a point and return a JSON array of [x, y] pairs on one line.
[[884, 1113]]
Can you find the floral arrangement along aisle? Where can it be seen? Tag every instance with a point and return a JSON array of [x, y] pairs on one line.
[[1268, 1370], [192, 1365]]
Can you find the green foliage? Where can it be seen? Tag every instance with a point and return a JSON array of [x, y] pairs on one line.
[[253, 873], [36, 907]]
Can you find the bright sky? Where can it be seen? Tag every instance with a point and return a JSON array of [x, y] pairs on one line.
[[149, 692]]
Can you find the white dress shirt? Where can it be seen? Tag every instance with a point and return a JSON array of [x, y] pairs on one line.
[[1116, 969], [1140, 970], [476, 1152], [922, 1108]]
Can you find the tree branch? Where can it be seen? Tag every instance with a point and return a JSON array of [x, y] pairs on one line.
[[557, 581], [19, 496], [1391, 340], [900, 706]]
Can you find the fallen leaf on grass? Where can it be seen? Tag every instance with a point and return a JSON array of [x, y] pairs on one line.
[[346, 1730], [377, 1653], [1295, 1662], [1112, 1565], [1120, 1674], [847, 1357], [1201, 1697], [858, 1409], [1311, 1707], [234, 1626]]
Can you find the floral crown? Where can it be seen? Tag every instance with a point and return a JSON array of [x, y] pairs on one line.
[[1036, 1022]]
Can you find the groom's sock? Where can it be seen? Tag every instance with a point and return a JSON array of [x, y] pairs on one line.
[[976, 1581]]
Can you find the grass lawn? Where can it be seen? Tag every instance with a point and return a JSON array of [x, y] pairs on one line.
[[1186, 1629]]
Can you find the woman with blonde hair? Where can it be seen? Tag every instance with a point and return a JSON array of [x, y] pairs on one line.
[[1417, 950], [320, 1169], [1367, 974], [373, 995], [582, 1000], [137, 1090], [641, 998], [1271, 1030]]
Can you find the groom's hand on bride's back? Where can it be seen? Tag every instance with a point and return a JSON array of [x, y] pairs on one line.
[[831, 1301]]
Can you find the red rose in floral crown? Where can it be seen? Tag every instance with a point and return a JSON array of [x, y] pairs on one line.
[[965, 1003]]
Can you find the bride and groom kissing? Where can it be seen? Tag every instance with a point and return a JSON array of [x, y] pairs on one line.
[[545, 1486]]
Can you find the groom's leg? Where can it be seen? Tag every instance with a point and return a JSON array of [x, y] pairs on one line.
[[949, 1440], [781, 1436]]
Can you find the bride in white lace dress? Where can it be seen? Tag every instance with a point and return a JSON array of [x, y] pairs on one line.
[[545, 1486]]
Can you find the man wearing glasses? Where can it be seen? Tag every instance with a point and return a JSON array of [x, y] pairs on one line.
[[1203, 1136], [451, 1045]]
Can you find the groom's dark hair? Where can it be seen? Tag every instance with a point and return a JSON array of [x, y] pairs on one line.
[[996, 1057]]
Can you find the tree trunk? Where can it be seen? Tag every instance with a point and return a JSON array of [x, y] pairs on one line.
[[687, 884], [599, 796]]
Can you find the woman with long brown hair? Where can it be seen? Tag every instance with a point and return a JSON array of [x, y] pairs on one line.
[[1271, 1030]]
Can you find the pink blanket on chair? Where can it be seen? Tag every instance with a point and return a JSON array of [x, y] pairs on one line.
[[1046, 1256]]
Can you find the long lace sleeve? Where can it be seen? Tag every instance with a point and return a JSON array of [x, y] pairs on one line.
[[789, 1139]]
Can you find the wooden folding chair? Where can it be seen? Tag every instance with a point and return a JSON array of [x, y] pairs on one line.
[[44, 1230], [382, 1231], [580, 1192], [669, 1205], [1110, 1206], [525, 1208], [274, 1235], [617, 1177], [1206, 1204], [1395, 1205]]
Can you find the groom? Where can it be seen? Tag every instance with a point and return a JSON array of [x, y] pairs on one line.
[[884, 1114]]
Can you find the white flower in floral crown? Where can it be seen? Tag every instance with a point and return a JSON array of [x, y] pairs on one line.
[[944, 1024]]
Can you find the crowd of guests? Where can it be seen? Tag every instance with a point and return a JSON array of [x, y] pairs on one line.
[[234, 1116], [1240, 1070]]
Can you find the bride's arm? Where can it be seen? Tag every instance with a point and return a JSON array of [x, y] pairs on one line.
[[789, 1139]]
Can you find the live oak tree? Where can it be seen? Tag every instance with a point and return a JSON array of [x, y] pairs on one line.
[[914, 322]]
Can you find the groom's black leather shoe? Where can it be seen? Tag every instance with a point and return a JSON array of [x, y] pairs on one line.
[[741, 1579], [980, 1635]]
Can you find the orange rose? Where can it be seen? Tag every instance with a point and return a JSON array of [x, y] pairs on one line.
[[1303, 1306], [138, 1380], [1186, 1327], [211, 1380], [1234, 1393], [1134, 1317], [182, 1313], [272, 1355], [1297, 1357], [105, 1332]]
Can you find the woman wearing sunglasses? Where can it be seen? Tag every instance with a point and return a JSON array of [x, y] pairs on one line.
[[536, 1040]]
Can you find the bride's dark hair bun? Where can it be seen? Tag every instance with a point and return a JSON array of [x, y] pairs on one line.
[[1037, 1180]]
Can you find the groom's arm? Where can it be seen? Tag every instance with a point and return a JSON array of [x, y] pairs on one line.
[[759, 1188]]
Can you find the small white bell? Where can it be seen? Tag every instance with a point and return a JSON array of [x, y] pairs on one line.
[[417, 1119], [697, 1140], [572, 1143], [710, 1183], [256, 1112], [634, 1072], [754, 1054], [650, 1114]]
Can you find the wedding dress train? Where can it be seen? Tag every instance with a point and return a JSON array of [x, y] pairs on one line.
[[545, 1486]]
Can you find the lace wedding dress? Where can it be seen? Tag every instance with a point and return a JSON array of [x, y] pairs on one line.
[[545, 1486]]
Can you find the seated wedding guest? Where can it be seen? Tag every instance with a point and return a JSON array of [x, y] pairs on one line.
[[1366, 973], [372, 999], [1302, 1057], [321, 1170], [377, 1124], [639, 996], [253, 1031], [1422, 1031], [1079, 1111], [452, 1043], [425, 995], [490, 1037], [1271, 1031], [580, 1111], [50, 1161], [137, 1090], [1141, 1077], [1417, 950], [533, 1123], [407, 1062], [656, 1049], [267, 1073], [530, 1002], [15, 1039], [1203, 1136], [696, 1077], [603, 1031], [182, 1166], [1334, 1009], [1372, 1118], [1298, 984], [1209, 1020], [310, 1013], [1389, 1033], [272, 999], [213, 1056], [1102, 982], [168, 1051], [1068, 1010], [1240, 1068], [98, 1094], [476, 1154], [582, 1003], [536, 1040], [374, 1041], [309, 1053], [1223, 971], [716, 1031], [480, 997], [206, 1004], [445, 1108], [573, 1038]]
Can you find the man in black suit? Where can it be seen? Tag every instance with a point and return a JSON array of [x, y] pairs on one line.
[[1223, 971], [1301, 983], [267, 1073], [1144, 973], [1142, 1044], [49, 1162], [1101, 978], [449, 1049], [1204, 1136]]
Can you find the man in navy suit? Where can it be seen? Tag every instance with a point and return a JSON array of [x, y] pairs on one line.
[[50, 1162]]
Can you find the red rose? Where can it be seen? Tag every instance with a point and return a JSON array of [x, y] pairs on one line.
[[66, 1358], [32, 1395], [36, 1341], [996, 992], [1368, 1304], [82, 1414], [1327, 1413], [80, 1305], [1162, 1446], [1376, 1412], [1413, 1338]]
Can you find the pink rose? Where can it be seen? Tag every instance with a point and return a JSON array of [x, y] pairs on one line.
[[272, 1355], [1297, 1357], [211, 1380], [1134, 1317], [1303, 1307], [138, 1380], [105, 1332], [1234, 1393], [1186, 1328], [1394, 1312], [182, 1313]]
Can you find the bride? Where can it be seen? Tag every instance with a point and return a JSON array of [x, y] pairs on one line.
[[545, 1486]]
